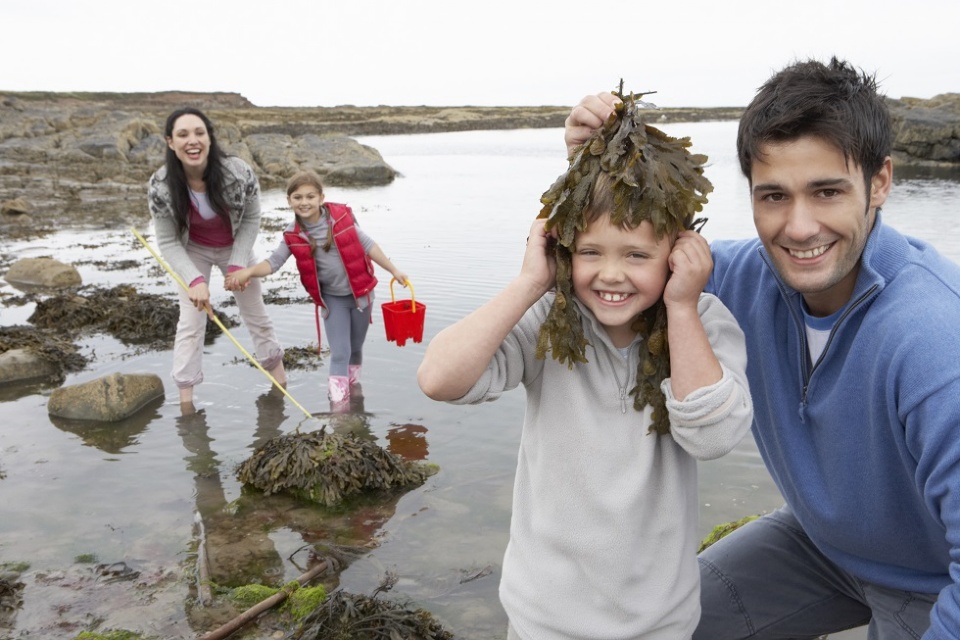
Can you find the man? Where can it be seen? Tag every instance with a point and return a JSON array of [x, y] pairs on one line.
[[854, 367]]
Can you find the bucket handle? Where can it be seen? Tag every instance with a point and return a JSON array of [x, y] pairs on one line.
[[413, 303]]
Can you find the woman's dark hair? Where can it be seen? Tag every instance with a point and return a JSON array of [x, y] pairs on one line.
[[213, 175], [834, 102]]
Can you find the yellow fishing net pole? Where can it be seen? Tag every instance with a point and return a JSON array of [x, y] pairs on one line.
[[214, 317]]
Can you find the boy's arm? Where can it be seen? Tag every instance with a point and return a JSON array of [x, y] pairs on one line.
[[457, 357], [693, 364]]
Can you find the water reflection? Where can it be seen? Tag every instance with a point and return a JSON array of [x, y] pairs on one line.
[[236, 552], [408, 441], [238, 536], [112, 437]]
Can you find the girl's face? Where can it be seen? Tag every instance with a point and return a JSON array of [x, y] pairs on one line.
[[306, 201], [618, 273], [191, 142]]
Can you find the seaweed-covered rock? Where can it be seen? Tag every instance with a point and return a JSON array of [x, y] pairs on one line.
[[327, 467]]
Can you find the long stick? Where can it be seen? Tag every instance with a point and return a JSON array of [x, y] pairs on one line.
[[257, 609], [214, 317]]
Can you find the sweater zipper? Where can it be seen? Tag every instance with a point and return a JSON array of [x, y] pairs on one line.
[[621, 388], [803, 341]]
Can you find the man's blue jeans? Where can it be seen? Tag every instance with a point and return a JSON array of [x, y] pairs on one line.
[[768, 581]]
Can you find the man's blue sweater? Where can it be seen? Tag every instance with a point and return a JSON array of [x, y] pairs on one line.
[[864, 444]]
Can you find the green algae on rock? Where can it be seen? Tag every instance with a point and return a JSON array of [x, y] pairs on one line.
[[722, 530], [653, 178]]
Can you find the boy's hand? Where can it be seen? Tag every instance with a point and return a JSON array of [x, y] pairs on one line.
[[588, 116], [691, 264], [539, 264]]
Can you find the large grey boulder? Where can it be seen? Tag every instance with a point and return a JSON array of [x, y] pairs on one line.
[[338, 160], [927, 131], [106, 399], [43, 272]]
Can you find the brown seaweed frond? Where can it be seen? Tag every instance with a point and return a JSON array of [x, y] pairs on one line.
[[348, 616], [655, 178], [654, 366], [327, 468]]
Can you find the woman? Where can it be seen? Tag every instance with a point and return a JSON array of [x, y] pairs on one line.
[[206, 212]]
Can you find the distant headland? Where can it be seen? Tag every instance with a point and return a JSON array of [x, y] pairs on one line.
[[87, 155]]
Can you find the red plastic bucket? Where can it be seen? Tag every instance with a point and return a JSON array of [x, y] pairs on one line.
[[403, 319]]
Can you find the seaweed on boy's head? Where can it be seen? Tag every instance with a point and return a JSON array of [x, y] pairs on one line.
[[635, 173]]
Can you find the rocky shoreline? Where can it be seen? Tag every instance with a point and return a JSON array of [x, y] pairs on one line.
[[84, 158]]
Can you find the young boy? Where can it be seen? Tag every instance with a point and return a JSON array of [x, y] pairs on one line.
[[603, 536]]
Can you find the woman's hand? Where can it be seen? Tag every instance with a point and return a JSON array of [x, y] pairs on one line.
[[199, 295]]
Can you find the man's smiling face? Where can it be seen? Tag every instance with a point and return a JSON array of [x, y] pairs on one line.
[[813, 216]]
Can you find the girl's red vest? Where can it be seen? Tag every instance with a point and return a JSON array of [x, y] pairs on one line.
[[355, 260]]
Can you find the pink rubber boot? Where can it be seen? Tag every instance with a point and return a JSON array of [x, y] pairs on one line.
[[354, 376], [339, 392]]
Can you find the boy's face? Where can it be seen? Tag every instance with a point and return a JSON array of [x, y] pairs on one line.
[[619, 273], [813, 215]]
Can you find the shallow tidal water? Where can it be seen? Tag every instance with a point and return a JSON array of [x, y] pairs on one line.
[[134, 492]]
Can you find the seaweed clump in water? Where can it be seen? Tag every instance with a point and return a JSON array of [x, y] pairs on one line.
[[347, 616], [654, 178], [326, 468], [121, 311]]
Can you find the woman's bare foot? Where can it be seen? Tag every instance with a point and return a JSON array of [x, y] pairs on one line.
[[279, 374]]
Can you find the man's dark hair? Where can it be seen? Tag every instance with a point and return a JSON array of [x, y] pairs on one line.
[[833, 102]]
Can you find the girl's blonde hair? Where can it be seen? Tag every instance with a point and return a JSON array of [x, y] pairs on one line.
[[310, 178]]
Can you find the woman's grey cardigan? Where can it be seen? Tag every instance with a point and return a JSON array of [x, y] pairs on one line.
[[242, 194]]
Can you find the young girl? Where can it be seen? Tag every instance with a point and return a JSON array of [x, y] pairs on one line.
[[603, 534], [206, 212], [333, 257]]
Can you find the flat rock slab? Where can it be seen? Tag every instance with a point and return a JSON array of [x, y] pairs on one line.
[[106, 399], [18, 366], [43, 272]]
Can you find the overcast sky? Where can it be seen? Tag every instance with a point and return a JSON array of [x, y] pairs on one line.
[[480, 52]]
